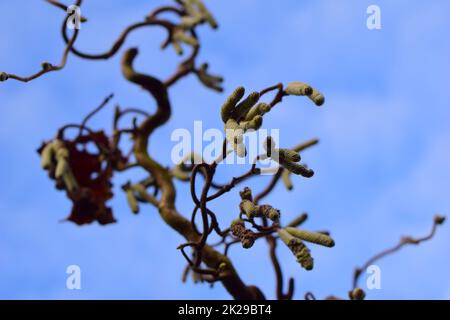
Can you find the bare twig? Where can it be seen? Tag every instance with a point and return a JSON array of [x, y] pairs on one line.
[[438, 220]]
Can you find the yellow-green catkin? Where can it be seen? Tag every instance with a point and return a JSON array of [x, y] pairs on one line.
[[235, 136], [298, 89], [47, 155], [240, 150], [297, 168], [179, 35], [70, 181], [189, 6], [259, 110], [288, 155], [253, 124], [313, 237], [206, 14], [287, 181], [244, 107], [249, 208], [179, 173], [132, 201], [298, 248], [210, 81], [233, 133], [298, 221], [229, 104], [317, 97], [269, 212], [62, 165], [188, 22], [286, 158], [305, 145]]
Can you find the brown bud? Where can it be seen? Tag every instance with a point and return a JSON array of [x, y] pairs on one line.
[[246, 236], [4, 76], [357, 294], [246, 194], [438, 219]]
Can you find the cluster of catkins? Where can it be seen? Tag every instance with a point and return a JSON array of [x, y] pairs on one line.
[[241, 115], [292, 236], [287, 158], [294, 239], [195, 13], [252, 210]]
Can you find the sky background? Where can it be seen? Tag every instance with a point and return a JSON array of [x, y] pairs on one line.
[[382, 166]]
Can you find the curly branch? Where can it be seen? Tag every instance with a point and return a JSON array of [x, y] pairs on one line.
[[213, 259]]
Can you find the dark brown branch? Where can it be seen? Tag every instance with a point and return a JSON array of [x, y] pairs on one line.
[[120, 39], [94, 112], [46, 67]]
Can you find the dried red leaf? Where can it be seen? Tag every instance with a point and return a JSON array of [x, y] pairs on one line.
[[93, 173]]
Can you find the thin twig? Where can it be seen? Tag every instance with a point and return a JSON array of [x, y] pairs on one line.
[[438, 220]]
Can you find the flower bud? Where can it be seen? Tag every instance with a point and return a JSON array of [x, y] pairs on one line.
[[246, 236], [357, 294], [3, 76], [246, 194], [46, 66], [439, 219]]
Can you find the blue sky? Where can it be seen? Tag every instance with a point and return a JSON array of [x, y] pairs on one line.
[[382, 168]]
